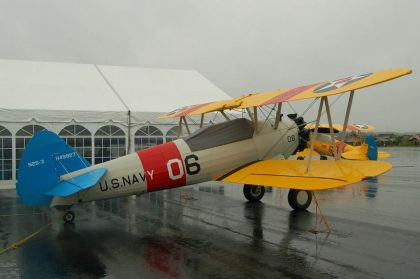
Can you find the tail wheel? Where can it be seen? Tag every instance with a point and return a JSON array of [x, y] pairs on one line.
[[299, 199], [254, 193], [68, 217]]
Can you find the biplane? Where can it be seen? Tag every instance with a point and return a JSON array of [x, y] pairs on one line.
[[362, 148], [250, 151]]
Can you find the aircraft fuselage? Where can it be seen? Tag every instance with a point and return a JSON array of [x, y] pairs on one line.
[[185, 162]]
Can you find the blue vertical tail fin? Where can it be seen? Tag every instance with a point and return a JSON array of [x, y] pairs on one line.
[[45, 159], [372, 153]]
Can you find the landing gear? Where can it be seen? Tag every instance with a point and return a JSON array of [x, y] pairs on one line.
[[253, 193], [299, 199], [68, 217]]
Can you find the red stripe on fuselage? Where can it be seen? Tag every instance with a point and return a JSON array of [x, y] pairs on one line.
[[337, 145], [163, 167]]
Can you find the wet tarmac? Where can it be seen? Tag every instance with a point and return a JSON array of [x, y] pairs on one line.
[[210, 231]]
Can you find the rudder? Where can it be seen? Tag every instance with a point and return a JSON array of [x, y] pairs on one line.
[[45, 159], [372, 152]]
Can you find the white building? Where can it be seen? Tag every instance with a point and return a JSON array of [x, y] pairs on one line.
[[103, 111]]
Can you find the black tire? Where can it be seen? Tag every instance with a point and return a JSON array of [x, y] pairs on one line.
[[68, 217], [254, 193], [299, 199]]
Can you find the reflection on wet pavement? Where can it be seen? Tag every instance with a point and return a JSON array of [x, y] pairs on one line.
[[210, 231]]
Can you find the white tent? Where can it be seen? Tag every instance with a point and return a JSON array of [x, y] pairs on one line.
[[87, 93], [55, 95]]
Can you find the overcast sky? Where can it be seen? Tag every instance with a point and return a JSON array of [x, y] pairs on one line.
[[241, 45]]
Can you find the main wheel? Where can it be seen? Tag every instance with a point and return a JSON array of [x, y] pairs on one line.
[[68, 217], [253, 193], [299, 199]]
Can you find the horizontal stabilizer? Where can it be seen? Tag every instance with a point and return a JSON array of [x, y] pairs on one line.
[[293, 175], [76, 184], [358, 153], [383, 155]]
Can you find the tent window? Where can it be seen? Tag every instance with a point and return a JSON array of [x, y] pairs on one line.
[[172, 134], [147, 136], [5, 154], [80, 138], [110, 143], [23, 136]]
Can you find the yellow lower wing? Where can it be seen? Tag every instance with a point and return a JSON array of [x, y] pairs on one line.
[[292, 174]]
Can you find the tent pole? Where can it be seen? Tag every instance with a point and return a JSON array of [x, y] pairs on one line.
[[129, 132], [122, 102]]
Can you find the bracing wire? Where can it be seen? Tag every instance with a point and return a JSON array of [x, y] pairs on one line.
[[288, 103], [309, 107]]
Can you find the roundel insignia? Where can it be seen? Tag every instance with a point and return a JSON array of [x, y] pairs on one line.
[[362, 126], [339, 83]]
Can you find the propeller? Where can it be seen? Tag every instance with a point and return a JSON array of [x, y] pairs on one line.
[[303, 133]]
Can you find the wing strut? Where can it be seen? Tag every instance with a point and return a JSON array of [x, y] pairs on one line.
[[202, 120], [346, 121], [278, 116], [250, 114], [186, 124], [256, 119], [321, 103], [224, 115], [179, 128], [182, 121], [327, 107]]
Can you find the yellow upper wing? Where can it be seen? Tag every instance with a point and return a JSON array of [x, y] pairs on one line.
[[315, 90], [292, 174]]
